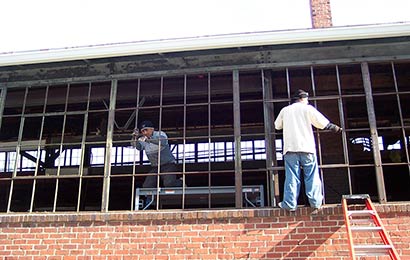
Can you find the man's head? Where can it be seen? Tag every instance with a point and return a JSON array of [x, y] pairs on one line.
[[147, 128], [301, 96]]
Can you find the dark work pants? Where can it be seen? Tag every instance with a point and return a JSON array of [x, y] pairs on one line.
[[169, 180]]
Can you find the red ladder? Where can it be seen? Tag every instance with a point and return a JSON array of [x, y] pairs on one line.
[[360, 224]]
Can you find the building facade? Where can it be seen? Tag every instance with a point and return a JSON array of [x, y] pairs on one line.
[[66, 123]]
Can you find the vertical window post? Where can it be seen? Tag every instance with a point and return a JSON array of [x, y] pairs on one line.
[[237, 135], [373, 132], [273, 178], [108, 146]]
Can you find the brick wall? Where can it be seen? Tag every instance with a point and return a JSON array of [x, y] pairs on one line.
[[321, 13], [212, 234]]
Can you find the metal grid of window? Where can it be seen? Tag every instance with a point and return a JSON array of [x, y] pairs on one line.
[[67, 147]]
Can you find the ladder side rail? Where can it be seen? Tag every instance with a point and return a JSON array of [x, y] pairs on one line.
[[348, 229], [383, 233]]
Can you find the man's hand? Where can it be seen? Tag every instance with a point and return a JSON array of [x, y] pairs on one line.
[[334, 128], [142, 139]]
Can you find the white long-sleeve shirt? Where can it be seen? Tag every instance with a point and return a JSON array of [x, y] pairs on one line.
[[296, 120]]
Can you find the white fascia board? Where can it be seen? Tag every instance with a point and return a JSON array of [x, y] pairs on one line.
[[207, 43]]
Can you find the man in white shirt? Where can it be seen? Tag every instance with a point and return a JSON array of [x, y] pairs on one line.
[[299, 150]]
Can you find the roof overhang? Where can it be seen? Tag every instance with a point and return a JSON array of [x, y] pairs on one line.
[[207, 43]]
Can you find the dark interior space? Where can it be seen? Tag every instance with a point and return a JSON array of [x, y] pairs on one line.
[[54, 137]]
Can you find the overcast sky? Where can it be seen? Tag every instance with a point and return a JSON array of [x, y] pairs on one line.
[[46, 24]]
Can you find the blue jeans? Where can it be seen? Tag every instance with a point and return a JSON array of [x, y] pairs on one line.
[[313, 184]]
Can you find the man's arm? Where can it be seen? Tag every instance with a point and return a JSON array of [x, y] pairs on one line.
[[334, 128], [279, 121], [321, 122], [157, 137]]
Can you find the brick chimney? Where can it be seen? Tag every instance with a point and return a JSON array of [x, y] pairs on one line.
[[321, 13]]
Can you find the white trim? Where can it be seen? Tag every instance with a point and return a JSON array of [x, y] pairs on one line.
[[207, 42]]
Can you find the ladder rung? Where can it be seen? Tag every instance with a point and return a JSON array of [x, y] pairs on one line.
[[372, 250], [356, 197], [361, 221], [366, 228], [360, 212]]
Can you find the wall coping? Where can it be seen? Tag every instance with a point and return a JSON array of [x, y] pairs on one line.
[[402, 208]]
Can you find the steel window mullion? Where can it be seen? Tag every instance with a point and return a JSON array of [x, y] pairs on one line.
[[159, 141], [20, 135], [61, 149], [135, 149], [373, 132], [184, 143], [344, 135], [83, 148], [270, 147], [237, 135], [108, 147], [38, 151], [209, 141], [3, 94], [312, 78], [405, 139]]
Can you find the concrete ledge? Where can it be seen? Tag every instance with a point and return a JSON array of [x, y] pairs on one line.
[[181, 215]]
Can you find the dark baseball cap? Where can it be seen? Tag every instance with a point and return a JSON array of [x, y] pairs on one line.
[[146, 124], [300, 93]]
